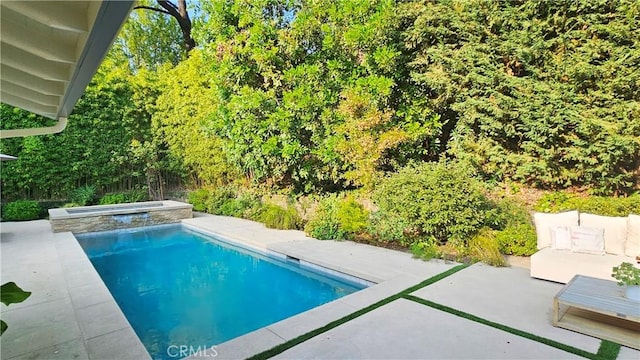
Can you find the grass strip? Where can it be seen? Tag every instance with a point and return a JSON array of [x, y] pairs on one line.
[[304, 337], [607, 349]]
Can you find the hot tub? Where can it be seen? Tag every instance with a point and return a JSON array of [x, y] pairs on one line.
[[120, 216]]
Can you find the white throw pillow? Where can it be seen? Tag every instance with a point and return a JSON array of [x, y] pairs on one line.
[[544, 222], [615, 230], [632, 246], [587, 240], [561, 238]]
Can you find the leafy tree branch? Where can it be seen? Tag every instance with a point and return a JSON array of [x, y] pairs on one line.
[[180, 13]]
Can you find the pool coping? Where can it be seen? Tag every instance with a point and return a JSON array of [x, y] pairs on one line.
[[340, 274], [116, 209], [83, 279]]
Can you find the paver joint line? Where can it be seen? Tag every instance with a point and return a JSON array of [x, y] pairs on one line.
[[304, 337], [608, 350], [274, 333]]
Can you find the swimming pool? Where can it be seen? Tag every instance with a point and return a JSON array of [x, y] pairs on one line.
[[178, 287]]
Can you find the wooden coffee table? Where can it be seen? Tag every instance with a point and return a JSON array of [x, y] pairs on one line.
[[598, 308]]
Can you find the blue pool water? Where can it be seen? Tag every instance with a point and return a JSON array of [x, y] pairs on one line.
[[179, 287]]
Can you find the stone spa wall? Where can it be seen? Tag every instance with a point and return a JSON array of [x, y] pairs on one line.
[[120, 216]]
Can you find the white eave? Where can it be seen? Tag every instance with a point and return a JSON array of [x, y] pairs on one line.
[[49, 52]]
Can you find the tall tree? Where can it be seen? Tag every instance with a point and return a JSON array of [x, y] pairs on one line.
[[148, 40], [308, 90], [180, 13], [186, 100]]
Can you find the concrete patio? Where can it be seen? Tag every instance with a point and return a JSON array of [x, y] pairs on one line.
[[71, 314]]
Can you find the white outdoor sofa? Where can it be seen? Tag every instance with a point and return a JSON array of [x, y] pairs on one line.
[[572, 243]]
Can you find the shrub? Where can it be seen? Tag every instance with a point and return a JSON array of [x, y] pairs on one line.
[[108, 199], [70, 205], [130, 196], [21, 210], [198, 199], [240, 206], [48, 204], [425, 250], [441, 201], [517, 240], [84, 195], [516, 234], [390, 227], [599, 205], [136, 195], [484, 247], [233, 207], [553, 202], [277, 217], [223, 201], [481, 247], [351, 216], [506, 212], [217, 198], [337, 218], [324, 224]]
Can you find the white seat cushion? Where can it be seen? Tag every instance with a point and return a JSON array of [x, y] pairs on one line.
[[615, 231], [632, 245], [561, 266]]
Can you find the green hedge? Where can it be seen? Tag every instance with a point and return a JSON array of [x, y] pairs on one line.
[[45, 205], [599, 205], [21, 210]]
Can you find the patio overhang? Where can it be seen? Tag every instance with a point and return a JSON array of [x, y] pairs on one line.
[[4, 157], [49, 52]]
